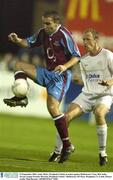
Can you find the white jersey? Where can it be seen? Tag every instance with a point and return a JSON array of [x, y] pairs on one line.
[[96, 68]]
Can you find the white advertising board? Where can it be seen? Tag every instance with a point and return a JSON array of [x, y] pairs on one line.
[[36, 95]]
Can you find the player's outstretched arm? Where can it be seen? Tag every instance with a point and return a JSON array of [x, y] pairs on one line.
[[13, 37], [69, 64]]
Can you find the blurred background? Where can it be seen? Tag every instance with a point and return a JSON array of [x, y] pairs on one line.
[[24, 18]]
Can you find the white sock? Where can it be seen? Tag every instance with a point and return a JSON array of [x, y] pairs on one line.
[[59, 144], [102, 138]]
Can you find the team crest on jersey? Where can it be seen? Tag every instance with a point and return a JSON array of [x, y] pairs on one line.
[[56, 43]]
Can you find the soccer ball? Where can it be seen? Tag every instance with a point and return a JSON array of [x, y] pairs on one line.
[[20, 87]]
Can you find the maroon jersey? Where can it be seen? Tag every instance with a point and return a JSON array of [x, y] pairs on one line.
[[58, 47]]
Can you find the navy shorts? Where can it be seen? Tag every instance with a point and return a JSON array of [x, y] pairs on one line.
[[56, 85]]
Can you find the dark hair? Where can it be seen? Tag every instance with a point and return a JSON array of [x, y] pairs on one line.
[[53, 14], [93, 31]]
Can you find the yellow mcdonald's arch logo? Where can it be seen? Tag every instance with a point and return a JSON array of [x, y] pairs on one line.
[[84, 9]]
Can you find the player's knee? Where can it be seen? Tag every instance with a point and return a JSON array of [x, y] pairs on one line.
[[68, 118], [99, 112], [53, 110]]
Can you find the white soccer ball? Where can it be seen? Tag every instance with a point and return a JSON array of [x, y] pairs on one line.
[[20, 87]]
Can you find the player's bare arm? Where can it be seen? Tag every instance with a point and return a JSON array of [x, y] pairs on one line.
[[13, 37], [62, 68]]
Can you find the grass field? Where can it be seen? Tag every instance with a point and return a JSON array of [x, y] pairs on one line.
[[26, 142]]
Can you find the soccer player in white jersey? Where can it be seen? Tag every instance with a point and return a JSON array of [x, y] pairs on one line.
[[97, 94]]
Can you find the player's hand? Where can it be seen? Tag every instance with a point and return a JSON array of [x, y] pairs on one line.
[[60, 69], [13, 37], [103, 83]]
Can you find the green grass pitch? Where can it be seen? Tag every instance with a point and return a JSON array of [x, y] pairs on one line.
[[26, 143]]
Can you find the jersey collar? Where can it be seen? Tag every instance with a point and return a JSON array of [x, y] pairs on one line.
[[56, 30]]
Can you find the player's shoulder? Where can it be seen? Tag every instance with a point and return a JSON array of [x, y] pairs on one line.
[[40, 34], [40, 31], [107, 52], [64, 30], [85, 56]]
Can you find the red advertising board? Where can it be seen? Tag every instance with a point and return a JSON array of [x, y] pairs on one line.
[[98, 14]]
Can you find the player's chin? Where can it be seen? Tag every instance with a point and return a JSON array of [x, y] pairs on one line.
[[47, 31], [87, 49]]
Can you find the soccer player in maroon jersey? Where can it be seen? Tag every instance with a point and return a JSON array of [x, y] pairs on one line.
[[60, 53]]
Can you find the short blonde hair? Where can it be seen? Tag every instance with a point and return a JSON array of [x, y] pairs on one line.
[[93, 32]]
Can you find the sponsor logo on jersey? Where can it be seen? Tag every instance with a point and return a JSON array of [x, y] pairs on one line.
[[92, 76]]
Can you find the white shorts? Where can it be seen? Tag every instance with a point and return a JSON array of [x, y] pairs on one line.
[[88, 101]]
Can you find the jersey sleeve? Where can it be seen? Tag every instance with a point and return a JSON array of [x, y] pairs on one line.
[[35, 39], [70, 45]]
